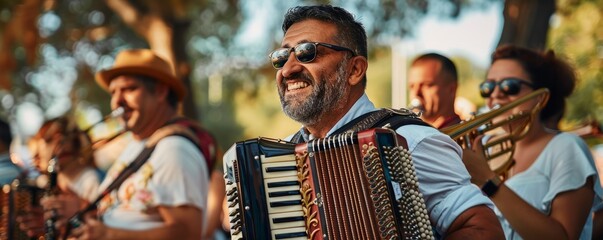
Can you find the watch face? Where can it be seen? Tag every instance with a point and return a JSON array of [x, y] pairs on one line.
[[491, 186]]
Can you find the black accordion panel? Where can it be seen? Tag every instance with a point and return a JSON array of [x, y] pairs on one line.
[[353, 185]]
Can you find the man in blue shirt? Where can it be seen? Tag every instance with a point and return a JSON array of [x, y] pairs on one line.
[[8, 170]]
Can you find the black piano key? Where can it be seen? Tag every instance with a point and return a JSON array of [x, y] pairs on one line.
[[284, 193], [233, 197], [232, 204], [289, 235], [231, 191], [287, 219], [283, 184], [285, 203], [235, 217], [236, 225], [281, 169]]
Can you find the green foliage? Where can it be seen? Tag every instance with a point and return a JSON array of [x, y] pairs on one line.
[[222, 41], [576, 34]]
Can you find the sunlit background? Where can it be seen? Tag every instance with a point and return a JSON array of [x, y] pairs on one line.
[[51, 49]]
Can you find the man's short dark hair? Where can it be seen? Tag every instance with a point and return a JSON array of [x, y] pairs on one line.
[[6, 137], [350, 33], [150, 84], [447, 64]]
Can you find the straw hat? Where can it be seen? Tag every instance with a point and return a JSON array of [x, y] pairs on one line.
[[142, 62]]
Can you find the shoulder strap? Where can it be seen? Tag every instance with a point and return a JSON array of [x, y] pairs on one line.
[[297, 137], [396, 118], [77, 219], [129, 170], [204, 140], [382, 118], [141, 159]]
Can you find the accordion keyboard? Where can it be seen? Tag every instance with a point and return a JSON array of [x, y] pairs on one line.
[[283, 197]]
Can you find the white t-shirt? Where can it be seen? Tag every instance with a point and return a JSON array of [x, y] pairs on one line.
[[563, 165], [84, 185], [175, 174]]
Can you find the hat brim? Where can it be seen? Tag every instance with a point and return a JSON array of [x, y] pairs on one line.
[[104, 77]]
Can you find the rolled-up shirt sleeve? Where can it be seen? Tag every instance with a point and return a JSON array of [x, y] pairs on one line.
[[443, 179]]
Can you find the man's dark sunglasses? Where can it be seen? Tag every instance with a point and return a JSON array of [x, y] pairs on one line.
[[304, 53], [509, 86]]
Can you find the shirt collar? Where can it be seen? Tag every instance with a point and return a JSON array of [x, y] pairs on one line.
[[363, 105]]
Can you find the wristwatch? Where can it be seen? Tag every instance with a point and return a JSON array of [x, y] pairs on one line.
[[491, 186]]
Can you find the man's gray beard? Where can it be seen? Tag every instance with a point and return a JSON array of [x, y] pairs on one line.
[[325, 98]]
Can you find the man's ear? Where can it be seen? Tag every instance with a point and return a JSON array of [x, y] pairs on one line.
[[161, 91], [453, 87], [358, 65]]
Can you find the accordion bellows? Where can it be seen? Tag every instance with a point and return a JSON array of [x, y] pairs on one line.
[[16, 199], [350, 186]]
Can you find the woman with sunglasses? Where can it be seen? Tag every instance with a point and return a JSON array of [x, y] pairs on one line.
[[552, 187]]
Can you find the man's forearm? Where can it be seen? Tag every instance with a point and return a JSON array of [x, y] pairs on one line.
[[163, 232], [478, 222]]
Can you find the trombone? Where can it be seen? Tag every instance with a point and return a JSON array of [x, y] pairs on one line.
[[499, 150]]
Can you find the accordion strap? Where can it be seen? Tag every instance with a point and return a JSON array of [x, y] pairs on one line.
[[382, 118]]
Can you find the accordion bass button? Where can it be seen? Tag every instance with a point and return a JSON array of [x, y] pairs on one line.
[[247, 208]]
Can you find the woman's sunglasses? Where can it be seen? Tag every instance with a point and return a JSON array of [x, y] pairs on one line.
[[509, 86], [304, 53]]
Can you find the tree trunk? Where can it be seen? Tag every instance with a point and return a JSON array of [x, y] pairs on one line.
[[165, 38], [21, 30], [526, 23], [183, 67]]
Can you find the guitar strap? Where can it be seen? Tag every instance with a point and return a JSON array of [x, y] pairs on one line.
[[169, 130]]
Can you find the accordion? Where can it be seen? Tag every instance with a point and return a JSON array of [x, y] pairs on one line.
[[15, 199], [355, 185]]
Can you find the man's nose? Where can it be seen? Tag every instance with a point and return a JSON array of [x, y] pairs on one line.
[[415, 91], [291, 67], [117, 100]]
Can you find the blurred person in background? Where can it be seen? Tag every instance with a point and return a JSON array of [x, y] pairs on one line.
[[8, 170], [432, 80], [552, 188], [61, 138], [77, 176]]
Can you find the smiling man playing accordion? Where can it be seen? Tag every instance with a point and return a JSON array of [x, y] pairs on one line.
[[321, 77]]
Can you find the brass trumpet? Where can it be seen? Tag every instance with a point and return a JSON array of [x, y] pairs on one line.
[[118, 112], [499, 150]]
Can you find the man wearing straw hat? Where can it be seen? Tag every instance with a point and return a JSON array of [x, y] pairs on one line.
[[166, 197]]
